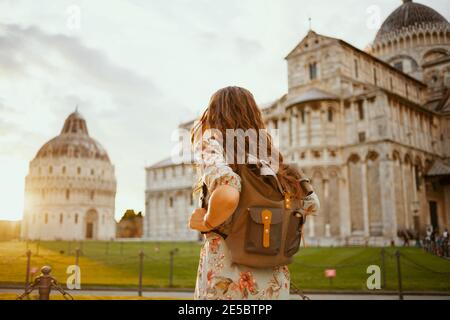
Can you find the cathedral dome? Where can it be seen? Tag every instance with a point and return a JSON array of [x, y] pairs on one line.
[[73, 142], [409, 14]]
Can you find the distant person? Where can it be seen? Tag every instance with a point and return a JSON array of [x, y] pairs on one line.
[[433, 242], [428, 234], [439, 248], [445, 237], [218, 277], [405, 237]]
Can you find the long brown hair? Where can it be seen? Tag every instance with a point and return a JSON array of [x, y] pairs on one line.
[[235, 108]]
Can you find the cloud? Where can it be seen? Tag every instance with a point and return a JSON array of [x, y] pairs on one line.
[[24, 47], [125, 111]]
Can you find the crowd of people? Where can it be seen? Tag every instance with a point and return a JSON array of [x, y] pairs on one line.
[[433, 242], [437, 243]]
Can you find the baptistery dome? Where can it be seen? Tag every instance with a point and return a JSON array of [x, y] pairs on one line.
[[73, 141], [70, 188]]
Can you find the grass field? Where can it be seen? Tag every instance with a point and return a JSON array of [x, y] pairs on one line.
[[116, 264]]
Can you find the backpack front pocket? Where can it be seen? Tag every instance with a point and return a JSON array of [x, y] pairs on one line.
[[264, 227]]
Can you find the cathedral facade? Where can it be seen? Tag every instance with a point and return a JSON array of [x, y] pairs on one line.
[[371, 129], [70, 188]]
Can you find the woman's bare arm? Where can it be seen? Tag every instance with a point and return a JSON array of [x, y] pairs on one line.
[[222, 203]]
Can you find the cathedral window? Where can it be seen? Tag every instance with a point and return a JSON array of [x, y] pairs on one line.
[[375, 80], [61, 218], [362, 136], [303, 116], [418, 177], [92, 172], [76, 218], [92, 195], [330, 115], [79, 170], [312, 71], [171, 202], [392, 84], [360, 110], [356, 69], [64, 170], [46, 218], [399, 65], [50, 169], [67, 194]]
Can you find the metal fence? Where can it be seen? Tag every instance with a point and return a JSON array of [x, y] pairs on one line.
[[77, 250]]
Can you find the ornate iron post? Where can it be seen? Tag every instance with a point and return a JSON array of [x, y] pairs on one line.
[[45, 283]]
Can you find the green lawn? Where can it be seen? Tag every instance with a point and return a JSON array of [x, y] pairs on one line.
[[116, 264]]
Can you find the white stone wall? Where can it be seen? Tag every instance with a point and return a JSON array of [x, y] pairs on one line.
[[60, 192], [169, 203]]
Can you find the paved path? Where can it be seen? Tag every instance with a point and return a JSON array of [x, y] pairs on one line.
[[188, 295]]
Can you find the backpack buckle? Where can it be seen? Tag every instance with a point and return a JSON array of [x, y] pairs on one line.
[[266, 217], [287, 201]]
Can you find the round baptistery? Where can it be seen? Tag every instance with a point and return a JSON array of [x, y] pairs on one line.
[[70, 188]]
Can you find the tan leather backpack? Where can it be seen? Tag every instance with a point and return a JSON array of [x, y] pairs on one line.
[[266, 228]]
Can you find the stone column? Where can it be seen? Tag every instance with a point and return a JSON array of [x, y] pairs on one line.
[[365, 201], [388, 197], [294, 128], [414, 186], [404, 190], [344, 203]]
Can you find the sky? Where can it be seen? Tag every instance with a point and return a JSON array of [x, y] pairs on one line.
[[137, 68]]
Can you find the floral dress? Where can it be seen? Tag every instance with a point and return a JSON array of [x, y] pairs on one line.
[[217, 276]]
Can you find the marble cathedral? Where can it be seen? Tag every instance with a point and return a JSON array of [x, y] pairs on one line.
[[371, 128]]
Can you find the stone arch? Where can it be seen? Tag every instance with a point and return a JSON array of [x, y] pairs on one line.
[[401, 42], [427, 37], [434, 54], [402, 58], [408, 40], [421, 38], [91, 221], [434, 36], [354, 158], [396, 156], [372, 155], [408, 158], [418, 161], [414, 39]]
